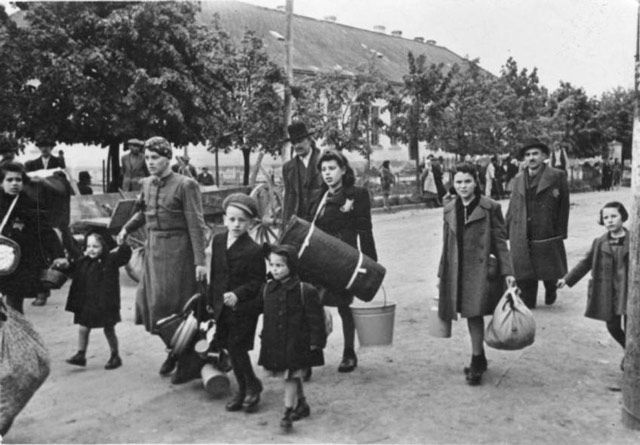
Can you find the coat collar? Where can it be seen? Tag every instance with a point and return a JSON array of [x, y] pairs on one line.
[[547, 179], [478, 213], [606, 247]]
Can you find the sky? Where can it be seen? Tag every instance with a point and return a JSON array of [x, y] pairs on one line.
[[588, 43]]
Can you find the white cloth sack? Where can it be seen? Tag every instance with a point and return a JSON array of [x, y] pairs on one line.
[[512, 326]]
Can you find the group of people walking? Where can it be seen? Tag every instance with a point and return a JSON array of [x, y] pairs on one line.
[[476, 263]]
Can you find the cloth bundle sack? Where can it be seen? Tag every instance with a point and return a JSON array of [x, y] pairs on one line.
[[328, 319], [24, 364], [512, 326]]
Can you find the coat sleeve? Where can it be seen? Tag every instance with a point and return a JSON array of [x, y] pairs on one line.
[[582, 268], [48, 237], [314, 314], [138, 219], [192, 208], [564, 205], [445, 234], [121, 255], [364, 228], [255, 275], [499, 241]]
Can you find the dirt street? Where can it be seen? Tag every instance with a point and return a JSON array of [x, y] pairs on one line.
[[563, 389]]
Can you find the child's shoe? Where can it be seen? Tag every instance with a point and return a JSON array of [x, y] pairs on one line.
[[287, 422], [301, 410], [78, 360], [474, 371], [114, 362], [349, 361]]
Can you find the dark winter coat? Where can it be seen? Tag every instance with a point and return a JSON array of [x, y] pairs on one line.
[[600, 296], [241, 270], [484, 235], [94, 295], [348, 226], [536, 239], [39, 245], [297, 199], [292, 324]]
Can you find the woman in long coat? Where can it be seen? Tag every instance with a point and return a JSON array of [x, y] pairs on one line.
[[345, 213], [29, 227], [171, 212], [474, 250]]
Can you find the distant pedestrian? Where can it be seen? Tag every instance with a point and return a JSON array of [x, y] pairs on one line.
[[293, 333], [302, 180], [617, 174], [474, 236], [386, 181], [184, 168], [94, 295], [84, 183], [205, 178], [537, 223], [608, 260], [133, 166], [237, 274], [607, 176]]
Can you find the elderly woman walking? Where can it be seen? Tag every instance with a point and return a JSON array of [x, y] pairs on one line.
[[174, 262], [474, 247]]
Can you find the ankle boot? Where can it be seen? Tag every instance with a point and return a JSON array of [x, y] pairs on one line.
[[476, 369], [287, 422], [114, 362], [349, 361], [301, 410], [169, 364], [252, 399], [78, 360]]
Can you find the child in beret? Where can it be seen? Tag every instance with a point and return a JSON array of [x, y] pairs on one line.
[[237, 274]]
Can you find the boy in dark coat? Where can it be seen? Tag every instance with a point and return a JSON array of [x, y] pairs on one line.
[[537, 222], [293, 333], [94, 295], [237, 273]]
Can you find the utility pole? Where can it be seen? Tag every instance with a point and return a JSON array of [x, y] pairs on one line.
[[288, 45], [631, 381]]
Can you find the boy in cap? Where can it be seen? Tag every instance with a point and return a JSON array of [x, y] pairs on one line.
[[237, 273], [537, 222]]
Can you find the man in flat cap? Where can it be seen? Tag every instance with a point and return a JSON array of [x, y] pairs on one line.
[[302, 180], [133, 166], [537, 221]]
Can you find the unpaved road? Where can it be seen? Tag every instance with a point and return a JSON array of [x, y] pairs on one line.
[[557, 391]]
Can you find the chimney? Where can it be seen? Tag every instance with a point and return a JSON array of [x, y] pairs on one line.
[[431, 42], [330, 18], [397, 33], [379, 28], [419, 39]]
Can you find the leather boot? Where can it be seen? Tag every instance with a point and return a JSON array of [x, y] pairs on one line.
[[301, 410], [252, 399], [189, 366], [168, 365], [349, 361]]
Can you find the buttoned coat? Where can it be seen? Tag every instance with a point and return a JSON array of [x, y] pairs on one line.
[[537, 248], [134, 168], [292, 323], [484, 235], [291, 172], [241, 270], [599, 260]]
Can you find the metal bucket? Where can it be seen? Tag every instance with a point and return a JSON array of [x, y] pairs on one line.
[[215, 382], [374, 322], [437, 327]]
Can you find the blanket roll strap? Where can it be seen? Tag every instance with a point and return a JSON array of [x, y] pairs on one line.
[[332, 263]]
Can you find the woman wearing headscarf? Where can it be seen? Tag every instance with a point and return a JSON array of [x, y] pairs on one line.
[[170, 209]]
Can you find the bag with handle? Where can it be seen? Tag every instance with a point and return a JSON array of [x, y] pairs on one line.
[[512, 326], [24, 364], [328, 319]]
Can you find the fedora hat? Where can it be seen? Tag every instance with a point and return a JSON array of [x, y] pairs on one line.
[[534, 143], [297, 132]]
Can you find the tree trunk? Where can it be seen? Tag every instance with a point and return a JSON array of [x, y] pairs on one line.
[[246, 157], [413, 148], [114, 181]]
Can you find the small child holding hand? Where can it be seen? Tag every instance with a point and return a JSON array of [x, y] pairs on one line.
[[608, 261], [94, 295], [293, 333]]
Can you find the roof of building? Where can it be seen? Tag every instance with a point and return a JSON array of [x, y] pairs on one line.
[[321, 45]]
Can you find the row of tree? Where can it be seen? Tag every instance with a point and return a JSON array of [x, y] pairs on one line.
[[102, 72]]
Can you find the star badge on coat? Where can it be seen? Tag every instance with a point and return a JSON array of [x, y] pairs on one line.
[[555, 193], [18, 225]]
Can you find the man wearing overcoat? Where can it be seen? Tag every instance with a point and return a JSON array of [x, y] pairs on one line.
[[537, 221], [302, 180], [134, 167]]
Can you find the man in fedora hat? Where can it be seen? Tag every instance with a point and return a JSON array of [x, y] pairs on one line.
[[184, 168], [537, 221], [133, 166], [302, 180]]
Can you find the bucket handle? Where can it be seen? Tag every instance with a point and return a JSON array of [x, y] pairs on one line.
[[384, 292]]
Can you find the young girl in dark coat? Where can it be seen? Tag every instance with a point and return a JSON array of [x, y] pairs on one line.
[[94, 296], [344, 212], [237, 274], [608, 260], [293, 333]]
